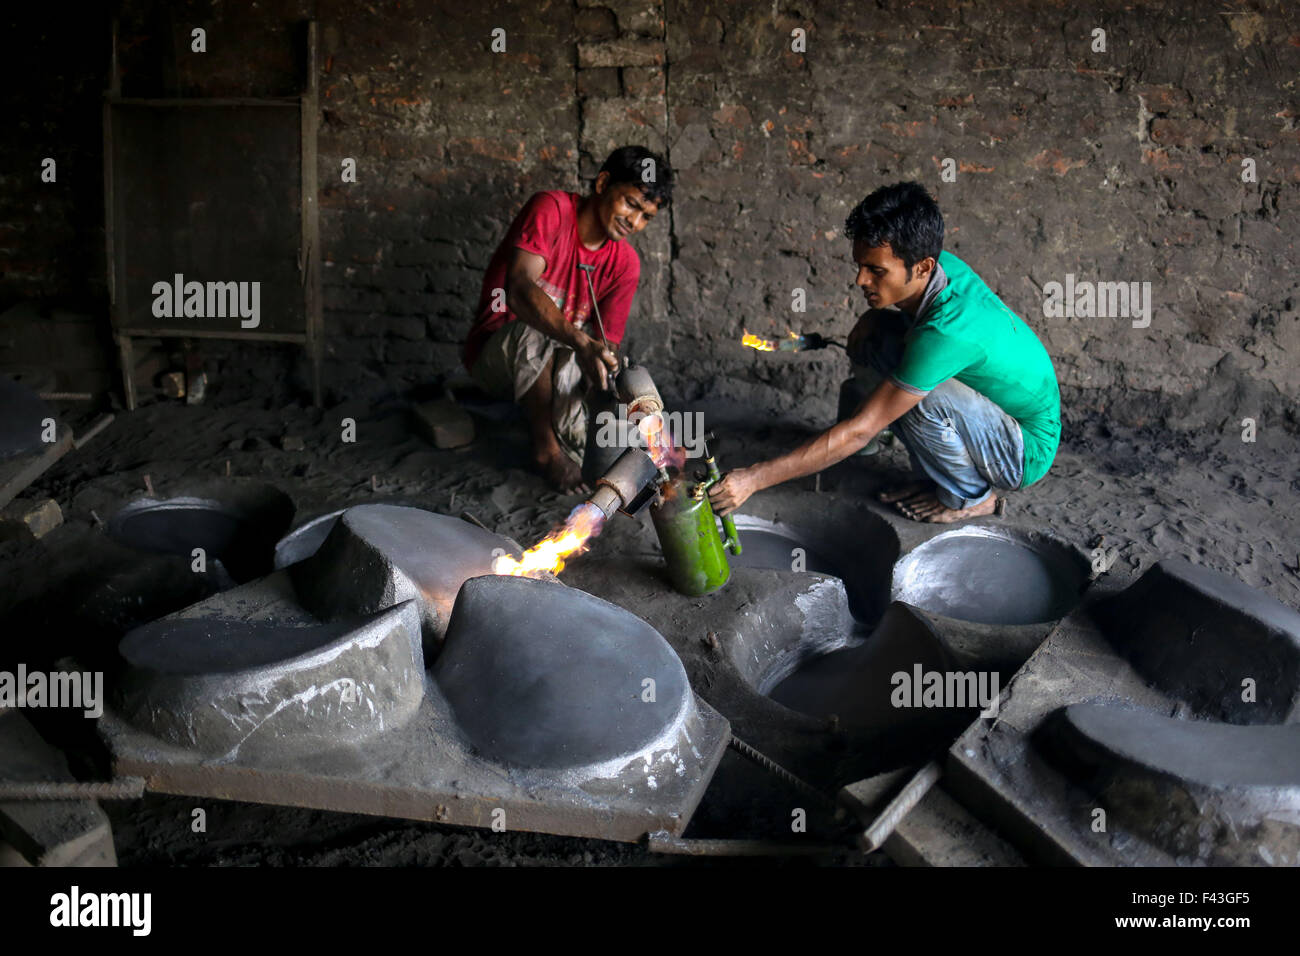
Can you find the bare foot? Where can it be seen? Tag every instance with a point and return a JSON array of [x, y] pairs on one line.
[[926, 507], [561, 471], [906, 490]]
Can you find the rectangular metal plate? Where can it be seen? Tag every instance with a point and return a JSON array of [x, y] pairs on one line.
[[423, 771]]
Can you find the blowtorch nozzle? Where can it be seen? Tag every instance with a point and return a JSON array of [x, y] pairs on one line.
[[624, 486], [809, 341]]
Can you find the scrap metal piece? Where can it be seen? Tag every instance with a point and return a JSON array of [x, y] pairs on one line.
[[774, 768], [123, 788], [899, 807]]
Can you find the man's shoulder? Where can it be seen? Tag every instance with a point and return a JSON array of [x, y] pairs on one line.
[[962, 279], [556, 200], [628, 257], [965, 296]]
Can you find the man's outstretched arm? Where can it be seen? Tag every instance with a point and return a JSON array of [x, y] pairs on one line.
[[525, 298], [886, 404]]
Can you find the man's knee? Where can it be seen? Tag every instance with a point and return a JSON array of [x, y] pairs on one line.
[[487, 375], [512, 361], [929, 414], [880, 346], [946, 404], [541, 392]]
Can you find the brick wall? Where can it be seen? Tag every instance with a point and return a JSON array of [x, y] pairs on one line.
[[1115, 166], [1122, 165]]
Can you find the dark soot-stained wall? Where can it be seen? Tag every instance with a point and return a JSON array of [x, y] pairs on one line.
[[1124, 165]]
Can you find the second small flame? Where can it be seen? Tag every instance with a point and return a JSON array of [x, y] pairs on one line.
[[754, 342]]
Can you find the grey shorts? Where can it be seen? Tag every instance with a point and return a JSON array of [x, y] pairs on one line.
[[509, 365]]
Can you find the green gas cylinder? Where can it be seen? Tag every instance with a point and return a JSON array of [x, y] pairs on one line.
[[689, 537]]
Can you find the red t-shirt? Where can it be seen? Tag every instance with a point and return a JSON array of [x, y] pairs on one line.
[[548, 226]]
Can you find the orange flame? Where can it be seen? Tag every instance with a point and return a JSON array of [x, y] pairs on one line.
[[658, 442], [549, 554], [754, 342]]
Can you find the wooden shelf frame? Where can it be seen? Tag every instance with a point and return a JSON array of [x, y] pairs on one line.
[[308, 105]]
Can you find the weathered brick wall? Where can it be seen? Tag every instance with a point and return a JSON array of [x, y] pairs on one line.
[[51, 233], [1123, 165], [450, 139], [1116, 166], [622, 97]]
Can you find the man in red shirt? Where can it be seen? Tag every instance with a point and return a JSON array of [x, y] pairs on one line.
[[542, 361]]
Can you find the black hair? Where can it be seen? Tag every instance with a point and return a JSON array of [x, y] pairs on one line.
[[628, 164], [903, 215]]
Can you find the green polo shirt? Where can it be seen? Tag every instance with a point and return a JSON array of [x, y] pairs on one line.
[[967, 333]]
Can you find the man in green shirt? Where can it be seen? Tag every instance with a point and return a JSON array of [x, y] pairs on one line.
[[966, 384]]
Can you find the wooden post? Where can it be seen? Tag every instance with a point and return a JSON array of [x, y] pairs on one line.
[[311, 218]]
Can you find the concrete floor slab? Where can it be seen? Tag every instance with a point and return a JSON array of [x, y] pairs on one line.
[[427, 770]]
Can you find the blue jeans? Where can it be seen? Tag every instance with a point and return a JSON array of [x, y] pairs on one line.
[[965, 443]]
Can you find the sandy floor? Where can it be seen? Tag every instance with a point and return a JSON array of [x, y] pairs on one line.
[[1213, 499]]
